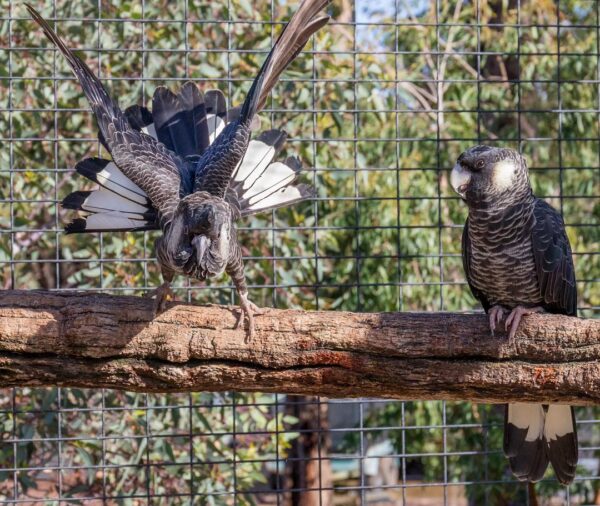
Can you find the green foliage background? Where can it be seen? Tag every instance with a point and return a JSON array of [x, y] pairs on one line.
[[381, 110]]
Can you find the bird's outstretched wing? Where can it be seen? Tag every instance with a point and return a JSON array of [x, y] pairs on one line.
[[466, 258], [553, 260], [141, 158], [217, 165]]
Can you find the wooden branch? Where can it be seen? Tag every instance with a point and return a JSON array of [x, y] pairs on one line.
[[96, 341]]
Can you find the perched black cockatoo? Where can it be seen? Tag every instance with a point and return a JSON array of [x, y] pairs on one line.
[[188, 167], [518, 261]]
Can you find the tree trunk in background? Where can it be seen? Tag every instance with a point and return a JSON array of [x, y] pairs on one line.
[[493, 63], [533, 499], [308, 469]]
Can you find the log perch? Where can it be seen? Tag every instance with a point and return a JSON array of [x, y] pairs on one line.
[[101, 341]]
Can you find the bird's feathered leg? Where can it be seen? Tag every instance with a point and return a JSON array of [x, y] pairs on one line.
[[249, 309], [163, 294], [495, 316], [235, 269], [514, 318]]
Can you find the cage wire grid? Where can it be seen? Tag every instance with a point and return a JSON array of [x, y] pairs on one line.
[[379, 106]]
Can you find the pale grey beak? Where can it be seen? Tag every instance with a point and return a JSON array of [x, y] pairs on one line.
[[201, 243], [459, 179]]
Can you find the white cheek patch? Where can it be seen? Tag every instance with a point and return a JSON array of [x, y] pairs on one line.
[[503, 174]]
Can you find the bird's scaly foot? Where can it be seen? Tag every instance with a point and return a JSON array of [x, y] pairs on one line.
[[495, 316], [514, 318], [249, 309], [162, 294]]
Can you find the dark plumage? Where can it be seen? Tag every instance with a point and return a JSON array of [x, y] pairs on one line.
[[517, 261], [180, 120], [187, 167]]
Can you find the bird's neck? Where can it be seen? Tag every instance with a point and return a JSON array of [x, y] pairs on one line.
[[494, 202], [514, 218]]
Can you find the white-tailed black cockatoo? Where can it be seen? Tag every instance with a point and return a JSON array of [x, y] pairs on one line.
[[518, 261], [188, 167]]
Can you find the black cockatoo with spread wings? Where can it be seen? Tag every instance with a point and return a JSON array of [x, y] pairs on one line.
[[189, 167], [517, 260]]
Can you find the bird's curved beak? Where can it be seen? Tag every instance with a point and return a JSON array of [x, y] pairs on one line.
[[460, 179], [201, 243]]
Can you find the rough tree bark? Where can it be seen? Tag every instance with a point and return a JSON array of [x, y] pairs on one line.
[[90, 340]]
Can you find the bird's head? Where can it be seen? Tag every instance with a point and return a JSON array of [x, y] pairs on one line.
[[485, 174], [200, 234], [210, 235], [208, 226]]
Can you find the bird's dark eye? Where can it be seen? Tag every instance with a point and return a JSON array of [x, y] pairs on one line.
[[479, 164]]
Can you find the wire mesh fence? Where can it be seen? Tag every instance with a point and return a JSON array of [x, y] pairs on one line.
[[379, 106]]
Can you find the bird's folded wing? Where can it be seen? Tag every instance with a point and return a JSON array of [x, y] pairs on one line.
[[553, 260]]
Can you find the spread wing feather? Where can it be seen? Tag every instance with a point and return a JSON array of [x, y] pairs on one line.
[[102, 200], [216, 113], [119, 204], [107, 174], [180, 119], [108, 222]]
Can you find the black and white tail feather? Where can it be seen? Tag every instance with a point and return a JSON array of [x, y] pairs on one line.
[[538, 434], [187, 123]]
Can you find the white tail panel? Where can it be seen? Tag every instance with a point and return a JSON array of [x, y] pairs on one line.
[[275, 176], [527, 416], [150, 130], [255, 161], [215, 126], [113, 221], [280, 198], [559, 421], [114, 180], [104, 200]]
